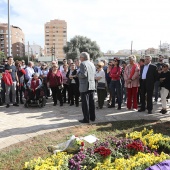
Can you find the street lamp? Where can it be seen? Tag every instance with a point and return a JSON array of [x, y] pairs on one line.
[[9, 45]]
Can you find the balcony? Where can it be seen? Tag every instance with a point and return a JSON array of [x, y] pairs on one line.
[[2, 42]]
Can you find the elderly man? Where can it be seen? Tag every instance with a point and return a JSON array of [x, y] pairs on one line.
[[148, 75], [29, 71], [87, 86]]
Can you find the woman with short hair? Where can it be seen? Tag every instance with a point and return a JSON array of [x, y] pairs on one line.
[[101, 84], [131, 78], [55, 82]]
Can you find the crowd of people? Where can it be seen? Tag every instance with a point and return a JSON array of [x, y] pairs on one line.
[[123, 82]]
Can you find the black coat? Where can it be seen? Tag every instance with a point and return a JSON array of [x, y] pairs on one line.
[[151, 76], [75, 78]]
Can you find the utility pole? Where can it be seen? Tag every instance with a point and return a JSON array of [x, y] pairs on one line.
[[131, 46], [9, 37], [28, 53]]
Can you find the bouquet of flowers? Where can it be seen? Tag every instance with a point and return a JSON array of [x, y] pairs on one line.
[[72, 146]]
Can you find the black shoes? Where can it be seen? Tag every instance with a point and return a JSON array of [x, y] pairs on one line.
[[164, 111], [119, 108], [141, 110], [111, 106], [54, 104], [149, 111], [77, 105], [7, 106], [71, 104], [15, 104], [83, 121]]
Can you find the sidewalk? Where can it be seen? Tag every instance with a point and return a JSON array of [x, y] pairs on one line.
[[19, 123]]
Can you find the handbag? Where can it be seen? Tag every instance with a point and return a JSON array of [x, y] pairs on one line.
[[101, 85]]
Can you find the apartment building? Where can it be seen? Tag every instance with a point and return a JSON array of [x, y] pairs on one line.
[[17, 41], [55, 38]]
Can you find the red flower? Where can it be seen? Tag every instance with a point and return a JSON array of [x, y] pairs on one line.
[[103, 151]]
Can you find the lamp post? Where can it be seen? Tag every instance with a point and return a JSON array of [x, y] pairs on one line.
[[9, 45]]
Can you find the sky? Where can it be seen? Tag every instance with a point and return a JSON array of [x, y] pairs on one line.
[[113, 24]]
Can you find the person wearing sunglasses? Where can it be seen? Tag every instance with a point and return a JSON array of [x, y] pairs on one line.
[[115, 84], [165, 86]]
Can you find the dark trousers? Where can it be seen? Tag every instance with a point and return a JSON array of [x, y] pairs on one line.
[[34, 95], [116, 87], [149, 93], [101, 96], [3, 91], [19, 93], [56, 93], [88, 105], [65, 90], [74, 93]]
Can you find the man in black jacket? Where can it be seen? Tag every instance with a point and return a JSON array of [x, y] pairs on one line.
[[148, 76]]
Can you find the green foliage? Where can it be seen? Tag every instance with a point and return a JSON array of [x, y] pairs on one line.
[[21, 58], [80, 44], [2, 56]]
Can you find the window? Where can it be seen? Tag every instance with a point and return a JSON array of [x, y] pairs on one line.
[[64, 31], [1, 31], [47, 35], [47, 40], [47, 31], [47, 44], [47, 26]]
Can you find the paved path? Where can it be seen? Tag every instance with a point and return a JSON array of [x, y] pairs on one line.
[[19, 123]]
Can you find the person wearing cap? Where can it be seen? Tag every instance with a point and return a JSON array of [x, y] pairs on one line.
[[157, 83], [115, 84], [148, 76], [165, 86], [131, 77], [13, 72]]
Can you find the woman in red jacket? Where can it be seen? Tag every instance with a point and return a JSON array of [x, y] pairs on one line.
[[55, 82], [115, 85]]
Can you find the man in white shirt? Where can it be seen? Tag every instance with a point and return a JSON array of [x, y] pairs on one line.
[[29, 71], [62, 66]]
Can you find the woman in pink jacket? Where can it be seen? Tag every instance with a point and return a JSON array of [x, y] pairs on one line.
[[131, 77]]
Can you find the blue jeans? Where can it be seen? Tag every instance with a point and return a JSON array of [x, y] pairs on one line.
[[116, 87]]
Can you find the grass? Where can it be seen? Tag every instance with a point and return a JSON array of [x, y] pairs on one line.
[[14, 157]]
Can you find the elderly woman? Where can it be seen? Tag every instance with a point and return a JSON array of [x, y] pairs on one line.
[[115, 84], [165, 86], [101, 84], [34, 84], [55, 82], [131, 78], [73, 85]]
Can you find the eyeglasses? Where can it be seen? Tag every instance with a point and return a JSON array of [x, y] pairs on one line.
[[115, 60]]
